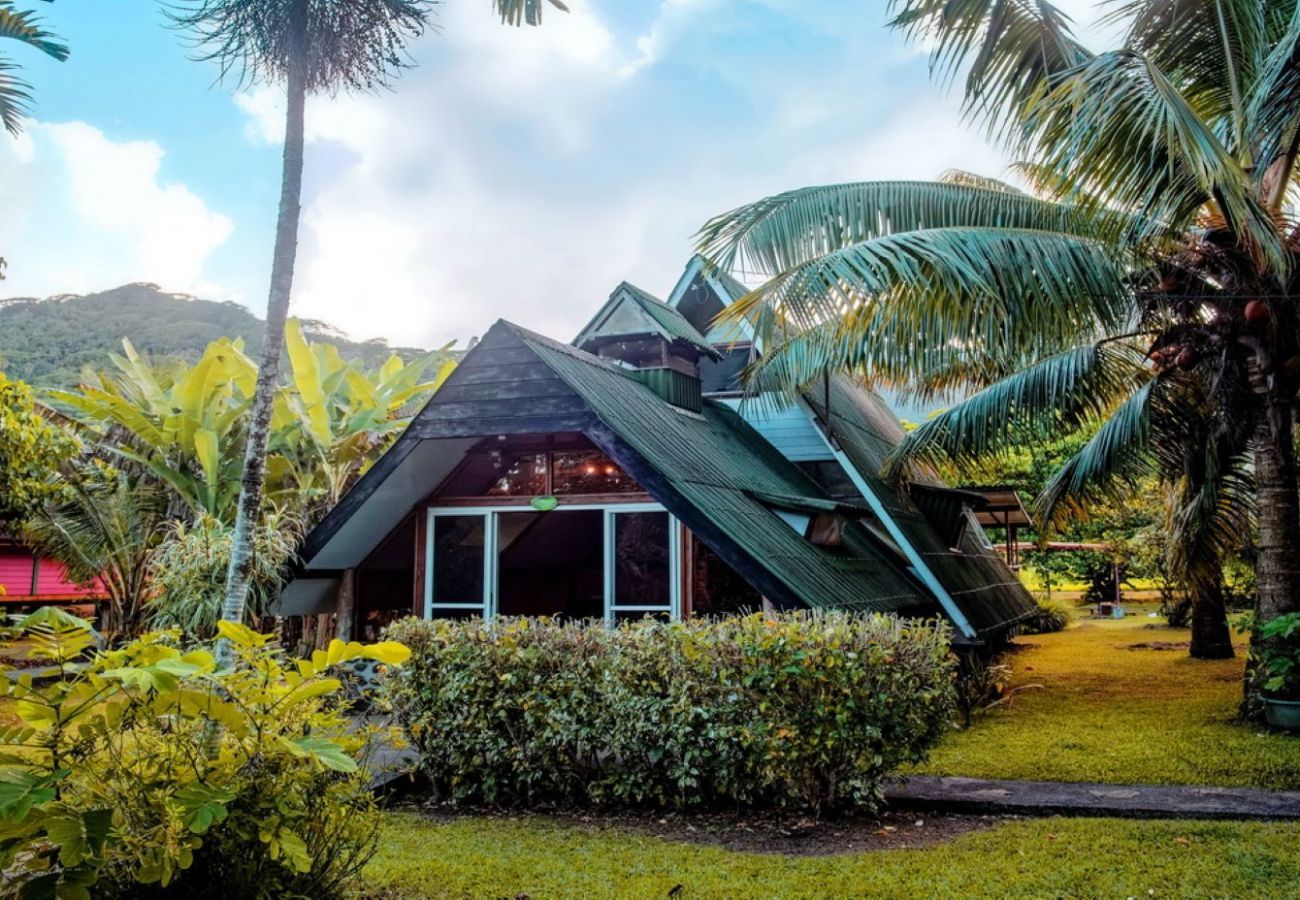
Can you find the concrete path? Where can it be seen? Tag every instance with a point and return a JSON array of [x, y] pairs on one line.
[[1134, 801]]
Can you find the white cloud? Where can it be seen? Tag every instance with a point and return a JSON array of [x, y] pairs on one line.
[[87, 213], [522, 173]]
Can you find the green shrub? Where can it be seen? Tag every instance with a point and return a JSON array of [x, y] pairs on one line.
[[801, 710], [148, 773], [1052, 615]]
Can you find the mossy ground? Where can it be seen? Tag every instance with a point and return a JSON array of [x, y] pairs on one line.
[[536, 858], [1109, 712]]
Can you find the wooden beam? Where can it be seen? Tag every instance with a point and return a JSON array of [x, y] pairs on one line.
[[526, 423], [421, 540], [346, 611]]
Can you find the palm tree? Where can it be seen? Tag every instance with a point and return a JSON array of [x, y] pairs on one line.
[[1164, 166], [1140, 424], [105, 532], [311, 46], [15, 94]]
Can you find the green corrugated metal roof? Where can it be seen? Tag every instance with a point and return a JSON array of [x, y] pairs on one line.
[[717, 463], [979, 582], [672, 323]]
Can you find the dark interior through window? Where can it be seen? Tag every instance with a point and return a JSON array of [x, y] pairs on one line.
[[551, 564]]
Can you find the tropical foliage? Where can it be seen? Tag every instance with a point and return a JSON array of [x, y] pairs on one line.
[[185, 425], [1144, 291], [32, 448], [104, 533], [187, 573], [803, 710], [21, 25], [104, 782]]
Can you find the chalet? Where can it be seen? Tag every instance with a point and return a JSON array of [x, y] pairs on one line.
[[623, 475]]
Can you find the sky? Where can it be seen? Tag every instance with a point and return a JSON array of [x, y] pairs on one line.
[[512, 173]]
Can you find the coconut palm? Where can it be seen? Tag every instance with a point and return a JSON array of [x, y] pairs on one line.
[[15, 94], [1164, 168], [311, 47], [1140, 424]]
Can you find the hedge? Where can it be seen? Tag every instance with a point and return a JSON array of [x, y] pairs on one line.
[[807, 710]]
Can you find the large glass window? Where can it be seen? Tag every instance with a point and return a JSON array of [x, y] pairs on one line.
[[457, 570], [616, 561], [587, 472], [525, 478], [642, 569]]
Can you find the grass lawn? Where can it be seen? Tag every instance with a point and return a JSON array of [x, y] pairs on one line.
[[535, 858], [1111, 713], [1106, 713]]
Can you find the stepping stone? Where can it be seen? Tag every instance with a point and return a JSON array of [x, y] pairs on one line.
[[951, 794]]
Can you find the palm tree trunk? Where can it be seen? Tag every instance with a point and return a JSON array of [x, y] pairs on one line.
[[1277, 567], [277, 311], [1211, 637]]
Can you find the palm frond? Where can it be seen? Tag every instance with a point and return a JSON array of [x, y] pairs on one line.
[[777, 233], [1059, 395], [524, 12], [15, 94], [348, 44], [1110, 463], [15, 98], [1118, 131], [25, 27], [1010, 50], [902, 304], [1273, 108], [1212, 49]]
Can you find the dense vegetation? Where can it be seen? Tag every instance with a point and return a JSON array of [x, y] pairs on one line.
[[1138, 283], [809, 711], [149, 772], [51, 342]]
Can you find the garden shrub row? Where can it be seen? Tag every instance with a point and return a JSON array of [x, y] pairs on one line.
[[793, 710]]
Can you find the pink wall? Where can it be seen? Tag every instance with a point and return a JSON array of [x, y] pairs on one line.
[[52, 580]]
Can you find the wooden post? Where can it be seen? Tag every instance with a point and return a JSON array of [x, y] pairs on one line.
[[417, 570], [347, 605]]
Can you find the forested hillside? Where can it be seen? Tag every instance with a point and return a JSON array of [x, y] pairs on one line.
[[48, 342]]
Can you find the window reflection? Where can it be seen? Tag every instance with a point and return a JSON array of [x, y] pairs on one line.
[[525, 478], [587, 472]]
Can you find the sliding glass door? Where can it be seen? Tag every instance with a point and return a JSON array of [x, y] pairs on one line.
[[620, 561]]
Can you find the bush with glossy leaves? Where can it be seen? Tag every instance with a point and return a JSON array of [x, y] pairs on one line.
[[805, 711], [112, 779]]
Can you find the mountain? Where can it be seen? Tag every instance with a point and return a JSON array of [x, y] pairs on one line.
[[48, 342]]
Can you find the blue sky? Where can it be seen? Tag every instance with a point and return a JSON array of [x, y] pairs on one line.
[[513, 174]]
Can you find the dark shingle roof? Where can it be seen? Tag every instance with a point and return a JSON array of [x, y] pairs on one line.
[[988, 593], [720, 465]]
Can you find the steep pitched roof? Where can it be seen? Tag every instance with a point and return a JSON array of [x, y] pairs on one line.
[[988, 593], [657, 315], [719, 467]]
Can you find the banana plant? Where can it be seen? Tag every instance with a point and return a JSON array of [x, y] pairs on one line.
[[181, 424], [185, 425], [333, 418]]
